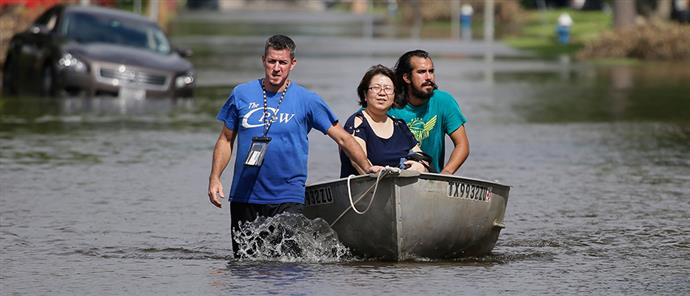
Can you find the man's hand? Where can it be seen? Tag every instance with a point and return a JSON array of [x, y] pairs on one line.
[[215, 191], [374, 169], [221, 155]]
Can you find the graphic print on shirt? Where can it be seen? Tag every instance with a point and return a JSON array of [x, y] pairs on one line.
[[255, 116], [421, 129]]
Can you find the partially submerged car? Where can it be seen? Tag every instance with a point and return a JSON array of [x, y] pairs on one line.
[[96, 51]]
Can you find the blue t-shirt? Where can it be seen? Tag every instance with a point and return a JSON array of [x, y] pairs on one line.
[[429, 122], [282, 176], [380, 151]]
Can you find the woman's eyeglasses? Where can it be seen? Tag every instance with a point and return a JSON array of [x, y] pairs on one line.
[[386, 89]]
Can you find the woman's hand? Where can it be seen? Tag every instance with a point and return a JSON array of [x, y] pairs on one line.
[[415, 166]]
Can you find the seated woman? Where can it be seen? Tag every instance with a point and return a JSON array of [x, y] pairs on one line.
[[385, 140]]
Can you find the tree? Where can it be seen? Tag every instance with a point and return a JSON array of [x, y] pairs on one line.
[[623, 13]]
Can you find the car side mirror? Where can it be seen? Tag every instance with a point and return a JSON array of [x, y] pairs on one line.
[[184, 52]]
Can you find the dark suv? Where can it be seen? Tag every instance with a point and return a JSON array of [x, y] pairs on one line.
[[96, 51]]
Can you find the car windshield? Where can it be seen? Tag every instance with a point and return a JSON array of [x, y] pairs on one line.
[[92, 28]]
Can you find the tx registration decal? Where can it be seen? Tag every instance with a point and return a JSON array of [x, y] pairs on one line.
[[469, 191]]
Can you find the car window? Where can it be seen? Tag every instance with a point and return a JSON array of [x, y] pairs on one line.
[[47, 19], [159, 41], [89, 28], [51, 22]]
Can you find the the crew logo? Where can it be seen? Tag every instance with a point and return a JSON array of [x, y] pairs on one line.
[[255, 117]]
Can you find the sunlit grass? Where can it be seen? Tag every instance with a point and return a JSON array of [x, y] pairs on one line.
[[538, 31]]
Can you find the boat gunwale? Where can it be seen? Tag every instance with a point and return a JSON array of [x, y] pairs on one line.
[[426, 176]]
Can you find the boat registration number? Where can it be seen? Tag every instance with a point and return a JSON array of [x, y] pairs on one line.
[[318, 196], [469, 191]]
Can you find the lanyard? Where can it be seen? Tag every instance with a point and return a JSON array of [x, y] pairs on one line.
[[269, 121]]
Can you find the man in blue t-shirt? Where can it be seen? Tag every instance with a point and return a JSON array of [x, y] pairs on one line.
[[271, 117], [429, 113]]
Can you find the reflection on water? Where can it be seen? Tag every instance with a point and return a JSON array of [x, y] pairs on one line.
[[50, 114], [606, 93], [33, 107]]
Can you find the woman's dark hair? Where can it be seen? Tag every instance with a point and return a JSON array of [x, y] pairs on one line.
[[280, 42], [366, 80], [402, 67]]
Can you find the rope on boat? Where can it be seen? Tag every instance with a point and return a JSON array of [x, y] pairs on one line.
[[382, 173]]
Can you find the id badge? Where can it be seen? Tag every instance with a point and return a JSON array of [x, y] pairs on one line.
[[257, 151]]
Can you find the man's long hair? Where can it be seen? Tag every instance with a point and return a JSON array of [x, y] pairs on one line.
[[280, 42], [403, 66]]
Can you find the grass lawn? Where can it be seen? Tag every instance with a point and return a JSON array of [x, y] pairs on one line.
[[538, 31]]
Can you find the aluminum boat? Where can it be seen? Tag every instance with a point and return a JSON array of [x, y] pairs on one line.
[[406, 215]]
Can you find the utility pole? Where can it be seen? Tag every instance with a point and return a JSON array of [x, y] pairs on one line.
[[624, 14], [153, 10], [137, 6], [455, 19], [489, 41], [489, 21], [416, 30]]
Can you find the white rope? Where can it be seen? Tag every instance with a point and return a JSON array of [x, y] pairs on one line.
[[349, 193], [382, 173]]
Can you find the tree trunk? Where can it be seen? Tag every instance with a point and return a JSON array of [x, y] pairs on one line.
[[624, 14], [663, 9]]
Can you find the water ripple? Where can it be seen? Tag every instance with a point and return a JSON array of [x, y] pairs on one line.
[[165, 253]]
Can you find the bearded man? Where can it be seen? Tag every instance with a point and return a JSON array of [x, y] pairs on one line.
[[429, 112]]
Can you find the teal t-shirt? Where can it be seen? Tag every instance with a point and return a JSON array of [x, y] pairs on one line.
[[429, 123]]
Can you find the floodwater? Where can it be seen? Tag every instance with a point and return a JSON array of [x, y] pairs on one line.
[[107, 196]]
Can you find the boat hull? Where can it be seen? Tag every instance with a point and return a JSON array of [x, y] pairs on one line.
[[412, 216]]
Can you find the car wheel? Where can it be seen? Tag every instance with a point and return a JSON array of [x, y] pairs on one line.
[[48, 88], [9, 79]]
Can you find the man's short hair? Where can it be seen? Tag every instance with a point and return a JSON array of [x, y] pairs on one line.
[[280, 42], [404, 66], [363, 87]]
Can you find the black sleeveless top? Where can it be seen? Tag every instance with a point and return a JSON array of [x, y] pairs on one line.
[[383, 152]]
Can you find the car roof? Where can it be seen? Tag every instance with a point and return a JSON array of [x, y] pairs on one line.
[[97, 10]]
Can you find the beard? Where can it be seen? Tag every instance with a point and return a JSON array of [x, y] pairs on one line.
[[421, 93]]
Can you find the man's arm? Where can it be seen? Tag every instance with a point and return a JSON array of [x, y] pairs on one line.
[[221, 157], [364, 148], [352, 149], [460, 152]]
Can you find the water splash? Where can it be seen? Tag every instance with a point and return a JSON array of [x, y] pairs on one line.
[[289, 238]]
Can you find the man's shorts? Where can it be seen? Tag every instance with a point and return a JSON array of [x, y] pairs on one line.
[[244, 212]]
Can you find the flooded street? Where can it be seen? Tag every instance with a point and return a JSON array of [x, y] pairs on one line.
[[108, 196]]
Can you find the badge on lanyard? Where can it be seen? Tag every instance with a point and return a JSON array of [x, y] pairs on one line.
[[257, 151]]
